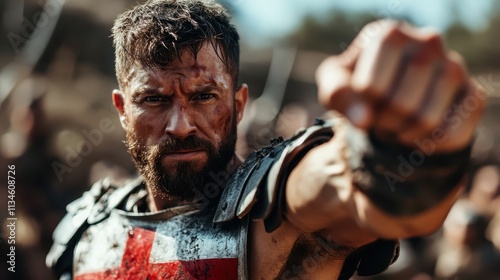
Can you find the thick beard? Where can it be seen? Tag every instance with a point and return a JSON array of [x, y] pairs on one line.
[[183, 182]]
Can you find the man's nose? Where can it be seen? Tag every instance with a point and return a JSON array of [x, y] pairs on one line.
[[180, 123]]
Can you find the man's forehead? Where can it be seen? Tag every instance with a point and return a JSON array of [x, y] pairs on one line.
[[147, 75], [188, 57], [206, 62], [196, 77]]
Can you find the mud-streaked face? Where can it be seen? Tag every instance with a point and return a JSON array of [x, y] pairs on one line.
[[181, 120]]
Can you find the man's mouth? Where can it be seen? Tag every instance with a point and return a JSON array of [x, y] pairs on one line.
[[184, 155]]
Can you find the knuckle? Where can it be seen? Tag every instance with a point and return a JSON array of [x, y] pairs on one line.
[[394, 37], [381, 25], [381, 29], [428, 44], [404, 108], [434, 42], [432, 51], [331, 81], [426, 51], [456, 57], [323, 67]]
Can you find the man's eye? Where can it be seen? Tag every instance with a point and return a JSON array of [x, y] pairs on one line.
[[204, 96], [154, 99]]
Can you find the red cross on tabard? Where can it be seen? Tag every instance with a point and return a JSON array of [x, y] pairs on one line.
[[135, 264]]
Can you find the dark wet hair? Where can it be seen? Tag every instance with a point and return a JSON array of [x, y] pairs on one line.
[[154, 33]]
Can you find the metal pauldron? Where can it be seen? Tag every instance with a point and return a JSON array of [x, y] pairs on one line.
[[257, 187], [94, 206]]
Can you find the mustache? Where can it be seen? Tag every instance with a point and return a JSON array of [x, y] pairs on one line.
[[173, 145]]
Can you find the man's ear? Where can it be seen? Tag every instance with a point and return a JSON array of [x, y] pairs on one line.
[[119, 103], [240, 100]]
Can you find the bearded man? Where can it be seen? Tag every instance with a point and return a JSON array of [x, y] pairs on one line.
[[326, 203]]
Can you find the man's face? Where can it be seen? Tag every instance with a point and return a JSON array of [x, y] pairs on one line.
[[180, 121]]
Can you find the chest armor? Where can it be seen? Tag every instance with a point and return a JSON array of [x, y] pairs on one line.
[[177, 243], [182, 243]]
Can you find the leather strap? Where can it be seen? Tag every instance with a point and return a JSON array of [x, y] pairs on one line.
[[405, 181]]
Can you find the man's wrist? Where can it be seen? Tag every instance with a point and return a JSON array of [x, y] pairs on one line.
[[404, 181]]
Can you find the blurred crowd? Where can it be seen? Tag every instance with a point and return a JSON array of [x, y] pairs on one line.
[[50, 130]]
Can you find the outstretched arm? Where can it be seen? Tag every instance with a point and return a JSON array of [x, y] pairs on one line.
[[414, 99]]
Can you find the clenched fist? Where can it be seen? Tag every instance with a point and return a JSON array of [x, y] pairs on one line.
[[399, 82]]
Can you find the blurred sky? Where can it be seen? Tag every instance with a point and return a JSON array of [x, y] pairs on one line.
[[273, 18]]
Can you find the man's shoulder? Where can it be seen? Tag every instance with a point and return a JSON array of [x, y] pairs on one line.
[[91, 208]]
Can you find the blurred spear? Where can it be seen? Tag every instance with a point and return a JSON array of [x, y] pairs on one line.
[[26, 59], [263, 110]]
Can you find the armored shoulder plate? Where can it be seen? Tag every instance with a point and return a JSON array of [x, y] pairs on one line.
[[94, 206], [257, 187]]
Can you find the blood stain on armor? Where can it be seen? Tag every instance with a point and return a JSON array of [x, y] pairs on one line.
[[183, 247]]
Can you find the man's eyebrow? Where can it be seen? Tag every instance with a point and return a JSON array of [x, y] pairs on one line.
[[141, 91], [207, 87]]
